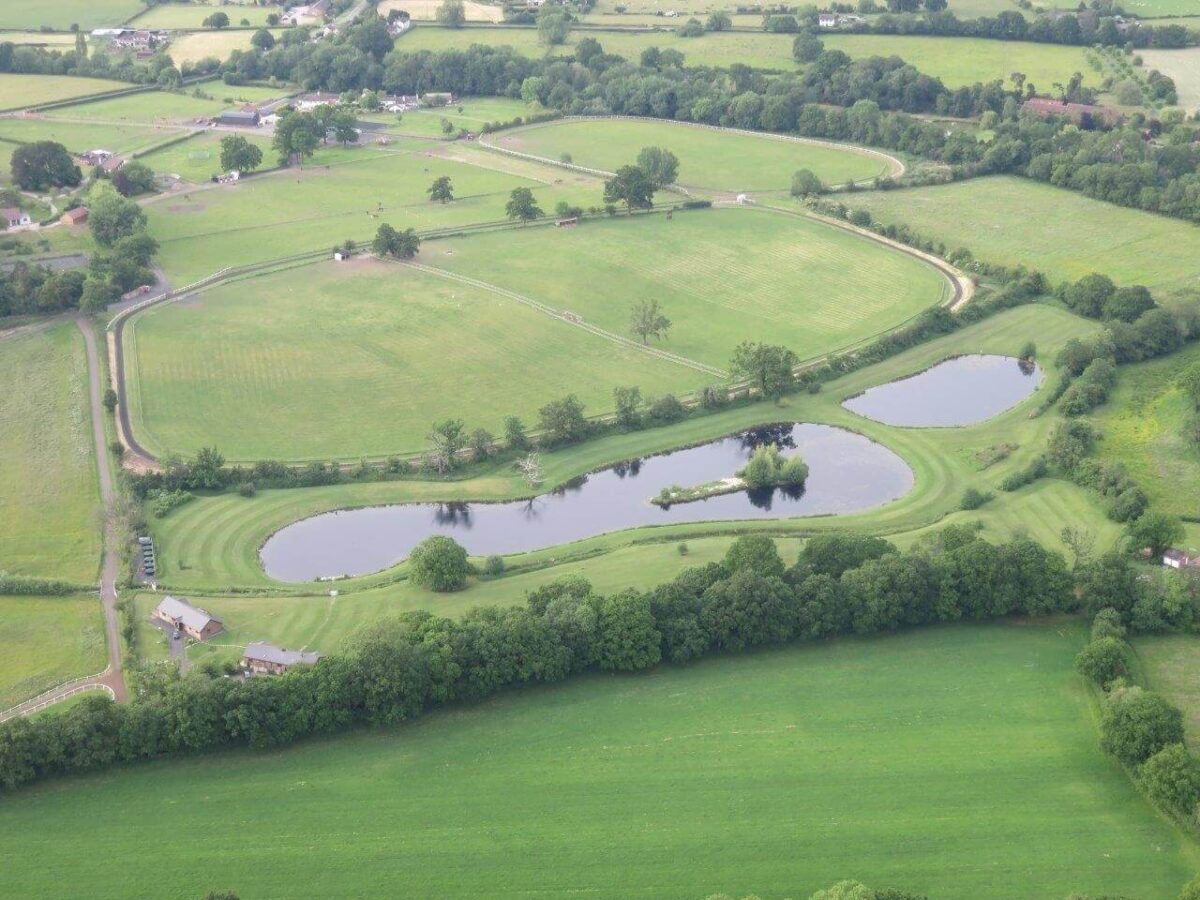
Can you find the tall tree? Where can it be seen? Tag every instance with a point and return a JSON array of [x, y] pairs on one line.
[[660, 165], [451, 14], [646, 320], [42, 165], [522, 206], [770, 368], [239, 155], [630, 186], [441, 191], [448, 437]]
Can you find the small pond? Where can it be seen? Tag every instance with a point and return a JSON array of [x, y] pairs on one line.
[[847, 473], [959, 391]]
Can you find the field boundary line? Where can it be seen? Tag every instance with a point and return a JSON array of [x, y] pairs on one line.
[[895, 164], [570, 319], [57, 693]]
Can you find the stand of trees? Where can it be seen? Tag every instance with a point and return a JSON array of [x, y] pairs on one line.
[[397, 669]]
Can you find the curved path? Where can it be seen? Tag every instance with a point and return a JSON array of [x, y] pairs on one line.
[[896, 167]]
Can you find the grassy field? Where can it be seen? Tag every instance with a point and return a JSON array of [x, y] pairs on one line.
[[1143, 423], [957, 61], [1171, 665], [1162, 8], [61, 14], [212, 543], [1064, 234], [81, 136], [60, 41], [199, 158], [1183, 66], [164, 107], [191, 15], [475, 113], [815, 288], [426, 10], [345, 360], [19, 91], [197, 45], [707, 158], [776, 773], [282, 214], [48, 495], [47, 640]]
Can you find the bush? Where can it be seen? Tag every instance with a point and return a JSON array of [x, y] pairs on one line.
[[667, 408], [973, 499], [494, 565], [440, 564], [1136, 724], [1172, 778], [162, 502], [247, 489], [1103, 661], [1107, 624]]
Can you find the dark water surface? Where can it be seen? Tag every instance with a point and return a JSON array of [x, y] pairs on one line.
[[959, 391], [847, 473]]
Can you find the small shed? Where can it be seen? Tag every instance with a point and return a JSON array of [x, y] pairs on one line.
[[76, 216]]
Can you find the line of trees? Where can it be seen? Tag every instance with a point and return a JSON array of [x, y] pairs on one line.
[[399, 668]]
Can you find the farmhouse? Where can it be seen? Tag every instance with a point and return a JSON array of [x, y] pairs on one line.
[[309, 102], [196, 623], [244, 118], [75, 216], [1079, 113], [1177, 559], [267, 659], [14, 217]]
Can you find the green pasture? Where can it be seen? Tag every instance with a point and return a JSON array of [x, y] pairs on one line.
[[722, 276], [1183, 67], [1162, 8], [212, 543], [342, 360], [1010, 220], [280, 214], [190, 15], [930, 761], [49, 520], [316, 620], [79, 137], [193, 46], [47, 640], [59, 41], [165, 107], [957, 61], [19, 91], [470, 114], [1170, 664], [197, 159], [707, 158], [61, 14], [1142, 426]]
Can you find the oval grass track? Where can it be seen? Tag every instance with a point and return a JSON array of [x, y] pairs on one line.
[[212, 543], [708, 158], [959, 761]]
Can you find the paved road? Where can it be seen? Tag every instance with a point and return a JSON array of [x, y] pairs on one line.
[[111, 565]]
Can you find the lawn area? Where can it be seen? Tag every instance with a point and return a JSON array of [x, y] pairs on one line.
[[1171, 665], [927, 761], [265, 369], [278, 215], [475, 113], [61, 14], [816, 288], [191, 15], [1142, 427], [1010, 220], [1183, 66], [47, 640], [19, 91], [199, 158], [707, 158], [318, 621], [1156, 8], [60, 41], [82, 136], [48, 496], [426, 10], [212, 543], [957, 61], [197, 45], [158, 107]]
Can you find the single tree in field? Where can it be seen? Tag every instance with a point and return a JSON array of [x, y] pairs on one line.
[[239, 155], [660, 165], [441, 191], [262, 39], [448, 437], [440, 564], [522, 206], [646, 320], [297, 135], [400, 244], [451, 14], [770, 368], [630, 186], [805, 183], [216, 20]]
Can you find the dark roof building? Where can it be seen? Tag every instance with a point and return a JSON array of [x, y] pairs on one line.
[[240, 117], [267, 659], [1079, 113]]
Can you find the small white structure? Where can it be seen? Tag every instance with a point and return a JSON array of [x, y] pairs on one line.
[[15, 218], [743, 199], [827, 20], [1177, 559]]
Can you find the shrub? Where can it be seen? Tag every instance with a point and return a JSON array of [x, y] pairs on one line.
[[1107, 624], [440, 564], [1103, 660], [247, 489], [1136, 724], [494, 565], [1172, 778], [162, 502], [973, 498], [667, 408]]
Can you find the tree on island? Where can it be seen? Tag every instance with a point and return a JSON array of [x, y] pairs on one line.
[[239, 155], [646, 320], [439, 564], [770, 468], [522, 206], [441, 191], [771, 368]]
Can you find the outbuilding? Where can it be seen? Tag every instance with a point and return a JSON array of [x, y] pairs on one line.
[[244, 118], [76, 216], [14, 217], [262, 658], [198, 624]]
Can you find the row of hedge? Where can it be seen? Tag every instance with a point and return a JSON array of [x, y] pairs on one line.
[[398, 669]]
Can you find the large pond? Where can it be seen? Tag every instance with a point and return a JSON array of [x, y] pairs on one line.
[[959, 391], [847, 473]]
